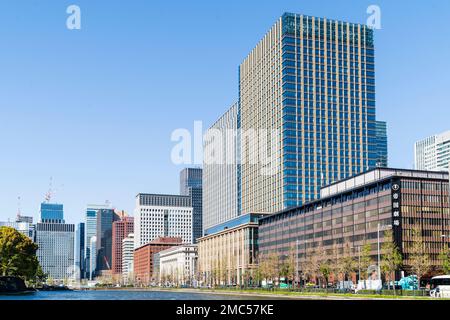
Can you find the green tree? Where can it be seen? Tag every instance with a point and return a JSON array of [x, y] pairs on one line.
[[391, 258], [365, 260], [325, 267], [17, 255], [444, 257], [346, 263], [419, 260]]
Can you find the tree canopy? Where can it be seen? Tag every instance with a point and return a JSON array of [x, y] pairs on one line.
[[18, 255]]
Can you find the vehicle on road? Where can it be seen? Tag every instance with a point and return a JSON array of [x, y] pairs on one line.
[[440, 287]]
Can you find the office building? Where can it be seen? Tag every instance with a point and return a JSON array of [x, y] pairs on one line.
[[98, 253], [128, 257], [23, 227], [308, 91], [52, 213], [220, 174], [20, 218], [178, 265], [191, 186], [120, 230], [382, 144], [80, 250], [143, 258], [350, 212], [227, 253], [105, 219], [433, 153], [56, 243], [162, 216]]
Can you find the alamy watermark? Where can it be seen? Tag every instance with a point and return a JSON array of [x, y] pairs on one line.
[[256, 147], [73, 21]]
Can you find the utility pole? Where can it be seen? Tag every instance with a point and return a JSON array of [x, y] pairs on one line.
[[378, 249]]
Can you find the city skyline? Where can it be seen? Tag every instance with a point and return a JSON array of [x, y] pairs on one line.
[[29, 164]]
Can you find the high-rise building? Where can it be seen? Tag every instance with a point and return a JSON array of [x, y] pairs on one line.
[[127, 256], [99, 220], [52, 213], [56, 243], [80, 250], [191, 186], [120, 230], [382, 144], [158, 215], [433, 153], [307, 90], [220, 176], [105, 219]]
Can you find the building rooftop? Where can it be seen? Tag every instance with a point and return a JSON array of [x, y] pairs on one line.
[[377, 174]]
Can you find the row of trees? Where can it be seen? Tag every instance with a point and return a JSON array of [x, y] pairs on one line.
[[322, 266]]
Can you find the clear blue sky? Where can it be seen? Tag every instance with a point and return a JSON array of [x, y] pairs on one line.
[[95, 108]]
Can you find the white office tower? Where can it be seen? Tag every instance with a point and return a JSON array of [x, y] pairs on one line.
[[433, 153], [92, 257], [128, 256], [162, 216]]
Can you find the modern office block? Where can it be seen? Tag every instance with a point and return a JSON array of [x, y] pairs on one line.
[[80, 250], [351, 211], [120, 230], [128, 256], [99, 219], [311, 82], [162, 216], [191, 185], [56, 243], [433, 153], [382, 144], [220, 175], [105, 219]]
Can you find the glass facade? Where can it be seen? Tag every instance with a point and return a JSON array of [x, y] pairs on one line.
[[191, 184], [382, 144], [314, 79], [400, 200], [51, 212]]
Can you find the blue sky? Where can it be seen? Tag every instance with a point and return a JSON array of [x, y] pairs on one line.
[[94, 108]]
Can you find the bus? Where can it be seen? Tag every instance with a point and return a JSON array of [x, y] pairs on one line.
[[440, 287]]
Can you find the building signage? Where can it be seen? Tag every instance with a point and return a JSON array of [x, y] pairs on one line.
[[396, 213]]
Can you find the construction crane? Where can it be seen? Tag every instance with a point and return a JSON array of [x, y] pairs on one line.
[[49, 194]]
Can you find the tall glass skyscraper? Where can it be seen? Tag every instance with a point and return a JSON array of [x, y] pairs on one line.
[[312, 80], [382, 144], [191, 185]]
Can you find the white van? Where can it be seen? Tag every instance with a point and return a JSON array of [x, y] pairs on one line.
[[440, 287]]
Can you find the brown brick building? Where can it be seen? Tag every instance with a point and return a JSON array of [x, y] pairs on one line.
[[350, 211], [120, 230], [143, 257]]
